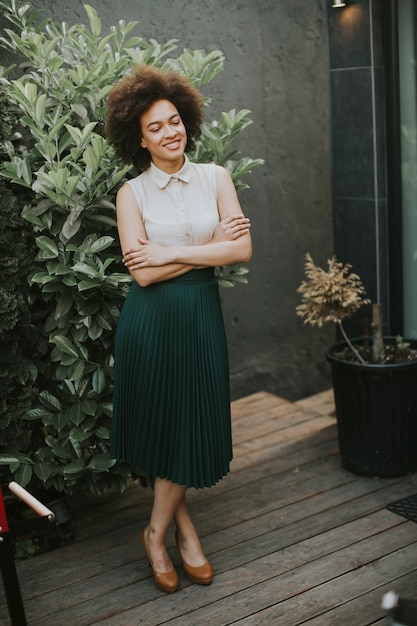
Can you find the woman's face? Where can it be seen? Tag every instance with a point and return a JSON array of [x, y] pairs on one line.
[[164, 135]]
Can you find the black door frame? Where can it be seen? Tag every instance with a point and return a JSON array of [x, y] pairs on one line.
[[394, 190]]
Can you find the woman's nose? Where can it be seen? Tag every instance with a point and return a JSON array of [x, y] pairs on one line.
[[170, 131]]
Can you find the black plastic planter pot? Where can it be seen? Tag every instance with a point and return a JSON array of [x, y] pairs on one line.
[[376, 408]]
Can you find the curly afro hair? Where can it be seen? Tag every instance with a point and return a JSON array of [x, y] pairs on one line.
[[134, 95]]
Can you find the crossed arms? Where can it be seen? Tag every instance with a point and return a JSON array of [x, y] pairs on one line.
[[149, 262]]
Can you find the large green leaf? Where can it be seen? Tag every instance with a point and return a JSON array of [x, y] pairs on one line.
[[47, 246], [65, 345], [99, 381], [101, 244], [75, 467], [101, 463], [23, 475], [50, 401], [76, 370], [42, 470], [75, 414], [95, 23]]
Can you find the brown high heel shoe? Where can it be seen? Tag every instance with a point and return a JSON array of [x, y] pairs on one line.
[[168, 581], [201, 575]]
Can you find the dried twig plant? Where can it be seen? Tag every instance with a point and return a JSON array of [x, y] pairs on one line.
[[331, 296], [337, 294]]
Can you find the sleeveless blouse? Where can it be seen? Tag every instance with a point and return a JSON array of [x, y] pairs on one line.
[[179, 209]]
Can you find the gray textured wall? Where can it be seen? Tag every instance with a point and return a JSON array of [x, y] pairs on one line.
[[276, 66]]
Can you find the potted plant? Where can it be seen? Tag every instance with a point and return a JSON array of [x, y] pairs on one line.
[[374, 378]]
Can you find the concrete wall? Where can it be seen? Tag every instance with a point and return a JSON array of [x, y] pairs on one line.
[[276, 66]]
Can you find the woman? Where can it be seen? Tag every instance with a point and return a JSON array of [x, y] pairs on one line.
[[176, 222]]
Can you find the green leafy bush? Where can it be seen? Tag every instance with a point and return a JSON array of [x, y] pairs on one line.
[[69, 175], [16, 389]]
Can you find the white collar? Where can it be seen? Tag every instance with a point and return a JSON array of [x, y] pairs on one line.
[[162, 178]]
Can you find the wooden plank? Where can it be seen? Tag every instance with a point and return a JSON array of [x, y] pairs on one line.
[[298, 435], [281, 513], [231, 509], [255, 404], [245, 590], [364, 608], [315, 514], [231, 558], [288, 514], [321, 403], [311, 603], [104, 583], [300, 594], [275, 419]]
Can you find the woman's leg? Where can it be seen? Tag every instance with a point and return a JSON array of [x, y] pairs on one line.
[[189, 543], [167, 496]]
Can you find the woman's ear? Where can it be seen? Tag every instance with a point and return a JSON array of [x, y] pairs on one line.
[[142, 143]]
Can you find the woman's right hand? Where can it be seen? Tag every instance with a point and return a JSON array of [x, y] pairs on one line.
[[231, 228]]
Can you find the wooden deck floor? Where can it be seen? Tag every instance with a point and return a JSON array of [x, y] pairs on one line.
[[292, 536]]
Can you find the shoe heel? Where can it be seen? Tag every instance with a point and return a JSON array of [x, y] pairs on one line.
[[167, 582], [200, 575]]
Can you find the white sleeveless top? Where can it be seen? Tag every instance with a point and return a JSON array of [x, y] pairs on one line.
[[179, 209]]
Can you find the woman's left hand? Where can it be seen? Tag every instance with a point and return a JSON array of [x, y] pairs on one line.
[[231, 228], [147, 254]]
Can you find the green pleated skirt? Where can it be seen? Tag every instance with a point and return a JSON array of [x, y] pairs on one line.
[[171, 410]]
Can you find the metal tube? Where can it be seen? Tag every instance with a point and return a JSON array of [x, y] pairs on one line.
[[31, 501]]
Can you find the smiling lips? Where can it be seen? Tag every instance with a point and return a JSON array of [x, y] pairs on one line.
[[173, 145]]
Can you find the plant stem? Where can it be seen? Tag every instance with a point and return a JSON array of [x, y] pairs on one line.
[[350, 344], [378, 348]]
